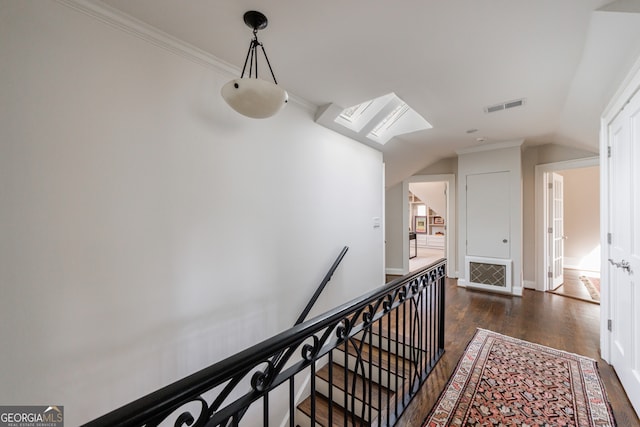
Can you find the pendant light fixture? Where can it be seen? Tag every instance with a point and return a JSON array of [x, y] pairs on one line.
[[252, 96]]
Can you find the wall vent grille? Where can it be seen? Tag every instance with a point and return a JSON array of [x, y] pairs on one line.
[[488, 274], [505, 105], [491, 274]]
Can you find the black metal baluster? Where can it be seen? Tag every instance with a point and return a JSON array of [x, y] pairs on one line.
[[379, 375], [390, 332], [292, 402], [395, 408], [432, 319], [441, 314], [346, 381], [265, 410], [312, 367], [331, 388], [370, 379]]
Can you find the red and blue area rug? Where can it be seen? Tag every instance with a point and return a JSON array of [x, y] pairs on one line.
[[504, 381]]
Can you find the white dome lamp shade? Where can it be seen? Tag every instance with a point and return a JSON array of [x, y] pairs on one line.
[[252, 96]]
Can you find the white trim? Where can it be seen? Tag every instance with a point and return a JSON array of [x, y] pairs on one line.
[[384, 222], [529, 284], [508, 263], [541, 207], [127, 23], [396, 271], [451, 245], [571, 263]]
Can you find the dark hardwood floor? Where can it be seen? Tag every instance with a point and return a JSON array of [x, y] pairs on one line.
[[552, 320]]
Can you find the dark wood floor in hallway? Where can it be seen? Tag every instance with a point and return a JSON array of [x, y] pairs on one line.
[[552, 320]]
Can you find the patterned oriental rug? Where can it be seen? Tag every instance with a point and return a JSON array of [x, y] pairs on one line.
[[504, 381], [593, 286]]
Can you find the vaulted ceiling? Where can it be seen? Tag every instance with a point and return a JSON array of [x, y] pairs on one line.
[[446, 59]]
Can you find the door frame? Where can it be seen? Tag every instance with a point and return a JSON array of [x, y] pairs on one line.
[[629, 87], [542, 173], [450, 236]]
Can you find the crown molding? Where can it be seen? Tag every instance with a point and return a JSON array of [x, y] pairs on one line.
[[130, 25]]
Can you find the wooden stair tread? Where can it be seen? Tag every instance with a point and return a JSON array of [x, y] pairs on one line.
[[322, 413], [394, 363], [338, 373]]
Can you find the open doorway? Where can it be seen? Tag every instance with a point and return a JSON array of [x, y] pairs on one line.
[[428, 218], [568, 229], [427, 223]]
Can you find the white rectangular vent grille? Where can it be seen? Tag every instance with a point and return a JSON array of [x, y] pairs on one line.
[[488, 274], [491, 274], [505, 106]]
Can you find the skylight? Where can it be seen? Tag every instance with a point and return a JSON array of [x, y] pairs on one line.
[[385, 124], [352, 114], [382, 118]]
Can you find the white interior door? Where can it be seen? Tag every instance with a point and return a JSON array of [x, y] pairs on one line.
[[556, 230], [624, 248], [488, 215]]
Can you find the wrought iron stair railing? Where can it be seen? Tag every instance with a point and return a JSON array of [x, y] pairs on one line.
[[370, 356]]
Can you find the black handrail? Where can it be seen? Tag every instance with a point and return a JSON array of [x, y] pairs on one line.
[[345, 321], [326, 279]]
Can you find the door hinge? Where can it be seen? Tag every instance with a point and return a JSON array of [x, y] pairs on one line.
[[550, 186], [609, 151], [609, 325], [550, 230], [609, 238], [550, 275]]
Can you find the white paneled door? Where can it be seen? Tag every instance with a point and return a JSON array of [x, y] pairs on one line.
[[556, 230], [624, 248], [488, 217]]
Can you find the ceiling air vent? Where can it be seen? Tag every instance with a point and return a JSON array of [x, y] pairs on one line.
[[504, 106]]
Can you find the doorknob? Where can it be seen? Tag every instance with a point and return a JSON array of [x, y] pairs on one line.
[[626, 266]]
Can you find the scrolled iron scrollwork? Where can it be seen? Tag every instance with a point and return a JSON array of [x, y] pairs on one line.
[[402, 293], [415, 286], [388, 303], [342, 331], [186, 418], [260, 380], [309, 351], [367, 316]]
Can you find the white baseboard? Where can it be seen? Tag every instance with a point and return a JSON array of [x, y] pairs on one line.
[[529, 284], [517, 291]]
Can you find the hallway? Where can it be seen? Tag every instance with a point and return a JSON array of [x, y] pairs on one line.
[[580, 284], [563, 323], [424, 257]]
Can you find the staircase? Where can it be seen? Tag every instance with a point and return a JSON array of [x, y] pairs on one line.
[[361, 380], [361, 361]]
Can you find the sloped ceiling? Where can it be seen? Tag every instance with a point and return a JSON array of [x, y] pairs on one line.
[[447, 59], [431, 194]]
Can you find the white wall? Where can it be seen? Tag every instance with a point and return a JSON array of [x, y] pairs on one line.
[[394, 230], [504, 157], [582, 218], [147, 230]]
